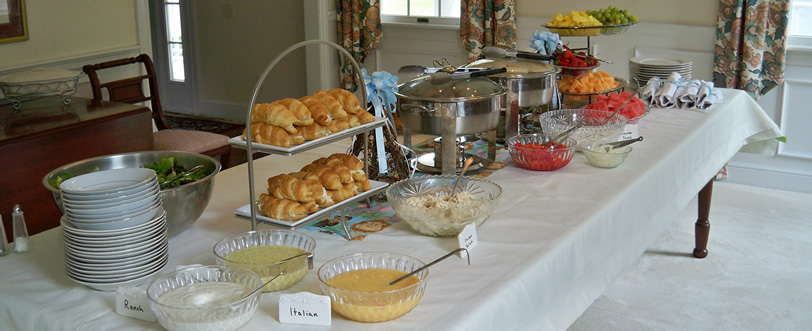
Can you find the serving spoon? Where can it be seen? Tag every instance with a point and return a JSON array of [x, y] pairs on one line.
[[432, 263], [465, 165]]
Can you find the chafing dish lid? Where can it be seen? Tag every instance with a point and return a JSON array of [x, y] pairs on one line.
[[455, 90], [516, 67]]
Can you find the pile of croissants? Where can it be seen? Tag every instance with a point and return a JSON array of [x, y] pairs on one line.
[[290, 121], [320, 184]]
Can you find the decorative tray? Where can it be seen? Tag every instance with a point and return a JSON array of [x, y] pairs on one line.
[[239, 141], [20, 86], [377, 187], [606, 29]]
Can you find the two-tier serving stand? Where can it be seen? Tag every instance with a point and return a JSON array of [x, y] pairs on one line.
[[250, 210]]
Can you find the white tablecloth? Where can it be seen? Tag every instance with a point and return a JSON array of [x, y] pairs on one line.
[[556, 241]]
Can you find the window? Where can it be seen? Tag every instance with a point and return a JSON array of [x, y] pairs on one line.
[[421, 11], [174, 40], [800, 26]]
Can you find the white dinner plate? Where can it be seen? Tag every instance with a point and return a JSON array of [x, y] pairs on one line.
[[107, 181], [123, 263], [68, 226], [131, 207], [123, 246], [116, 241], [118, 273], [112, 286], [659, 61], [119, 223], [105, 256], [245, 211]]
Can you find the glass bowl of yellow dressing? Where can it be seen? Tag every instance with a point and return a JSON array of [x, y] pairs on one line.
[[359, 285], [269, 253]]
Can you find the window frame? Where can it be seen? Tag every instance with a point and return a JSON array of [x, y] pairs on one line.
[[798, 42]]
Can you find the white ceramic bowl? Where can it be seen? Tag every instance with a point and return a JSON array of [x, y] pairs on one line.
[[114, 208], [112, 200], [68, 226], [120, 223]]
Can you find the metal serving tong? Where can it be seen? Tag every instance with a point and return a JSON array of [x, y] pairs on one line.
[[442, 77], [498, 52], [618, 144]]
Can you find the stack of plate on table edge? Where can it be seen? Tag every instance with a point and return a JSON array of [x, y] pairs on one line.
[[114, 228], [643, 68]]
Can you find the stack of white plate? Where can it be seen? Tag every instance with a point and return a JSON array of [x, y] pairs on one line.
[[644, 68], [115, 228]]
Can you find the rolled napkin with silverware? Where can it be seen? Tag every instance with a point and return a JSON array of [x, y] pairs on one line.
[[715, 96], [651, 88], [665, 96], [686, 94]]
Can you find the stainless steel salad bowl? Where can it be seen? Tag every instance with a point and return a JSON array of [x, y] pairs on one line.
[[184, 203]]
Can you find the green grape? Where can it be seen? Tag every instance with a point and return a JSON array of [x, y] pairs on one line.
[[625, 12], [633, 18], [624, 20]]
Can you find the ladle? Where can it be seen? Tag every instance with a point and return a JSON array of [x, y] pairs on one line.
[[442, 77], [465, 165], [432, 263], [185, 174]]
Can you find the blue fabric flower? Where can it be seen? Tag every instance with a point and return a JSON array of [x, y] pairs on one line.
[[381, 86], [545, 42]]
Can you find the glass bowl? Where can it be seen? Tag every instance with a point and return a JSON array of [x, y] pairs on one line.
[[599, 156], [530, 151], [425, 203], [594, 130], [205, 298], [269, 252], [371, 299]]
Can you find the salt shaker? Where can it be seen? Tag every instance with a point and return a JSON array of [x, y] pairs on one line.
[[3, 241], [21, 243]]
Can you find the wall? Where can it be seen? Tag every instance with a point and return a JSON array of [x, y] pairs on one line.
[[235, 41], [686, 12], [69, 34]]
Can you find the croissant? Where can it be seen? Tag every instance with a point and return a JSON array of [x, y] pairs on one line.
[[354, 164], [349, 102], [327, 177], [347, 191], [335, 108], [318, 111], [281, 209], [274, 113], [338, 125], [299, 110], [268, 134], [319, 192], [363, 185], [314, 131], [296, 138], [344, 174], [353, 120], [365, 117], [288, 187]]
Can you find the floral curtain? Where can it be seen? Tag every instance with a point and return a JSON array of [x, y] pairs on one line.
[[358, 24], [750, 52], [487, 23]]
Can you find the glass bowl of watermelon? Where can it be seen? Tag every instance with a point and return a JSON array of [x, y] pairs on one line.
[[634, 110], [595, 125], [534, 152]]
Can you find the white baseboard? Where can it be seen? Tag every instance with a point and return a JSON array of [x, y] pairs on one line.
[[769, 178]]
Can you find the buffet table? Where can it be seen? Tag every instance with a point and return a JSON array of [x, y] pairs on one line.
[[556, 241]]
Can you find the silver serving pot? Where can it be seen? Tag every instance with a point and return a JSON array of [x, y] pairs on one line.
[[465, 106], [183, 204]]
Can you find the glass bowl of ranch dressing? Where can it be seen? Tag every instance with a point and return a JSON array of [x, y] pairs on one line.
[[205, 298]]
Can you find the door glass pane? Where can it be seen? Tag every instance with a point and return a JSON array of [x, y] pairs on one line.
[[176, 72], [799, 22], [424, 8], [173, 32], [395, 7]]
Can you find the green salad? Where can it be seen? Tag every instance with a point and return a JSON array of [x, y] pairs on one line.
[[168, 169]]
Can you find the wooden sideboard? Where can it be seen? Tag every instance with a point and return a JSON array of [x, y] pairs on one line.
[[45, 135]]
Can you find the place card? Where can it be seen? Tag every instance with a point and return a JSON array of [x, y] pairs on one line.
[[304, 308], [629, 132], [467, 239], [132, 301]]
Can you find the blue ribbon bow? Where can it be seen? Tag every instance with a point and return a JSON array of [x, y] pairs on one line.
[[381, 86], [545, 42]]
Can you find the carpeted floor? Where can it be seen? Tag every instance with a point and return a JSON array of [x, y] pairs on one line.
[[758, 275]]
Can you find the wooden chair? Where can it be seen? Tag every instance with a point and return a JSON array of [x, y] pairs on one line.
[[131, 90]]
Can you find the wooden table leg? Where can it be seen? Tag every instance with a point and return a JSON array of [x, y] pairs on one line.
[[702, 227]]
